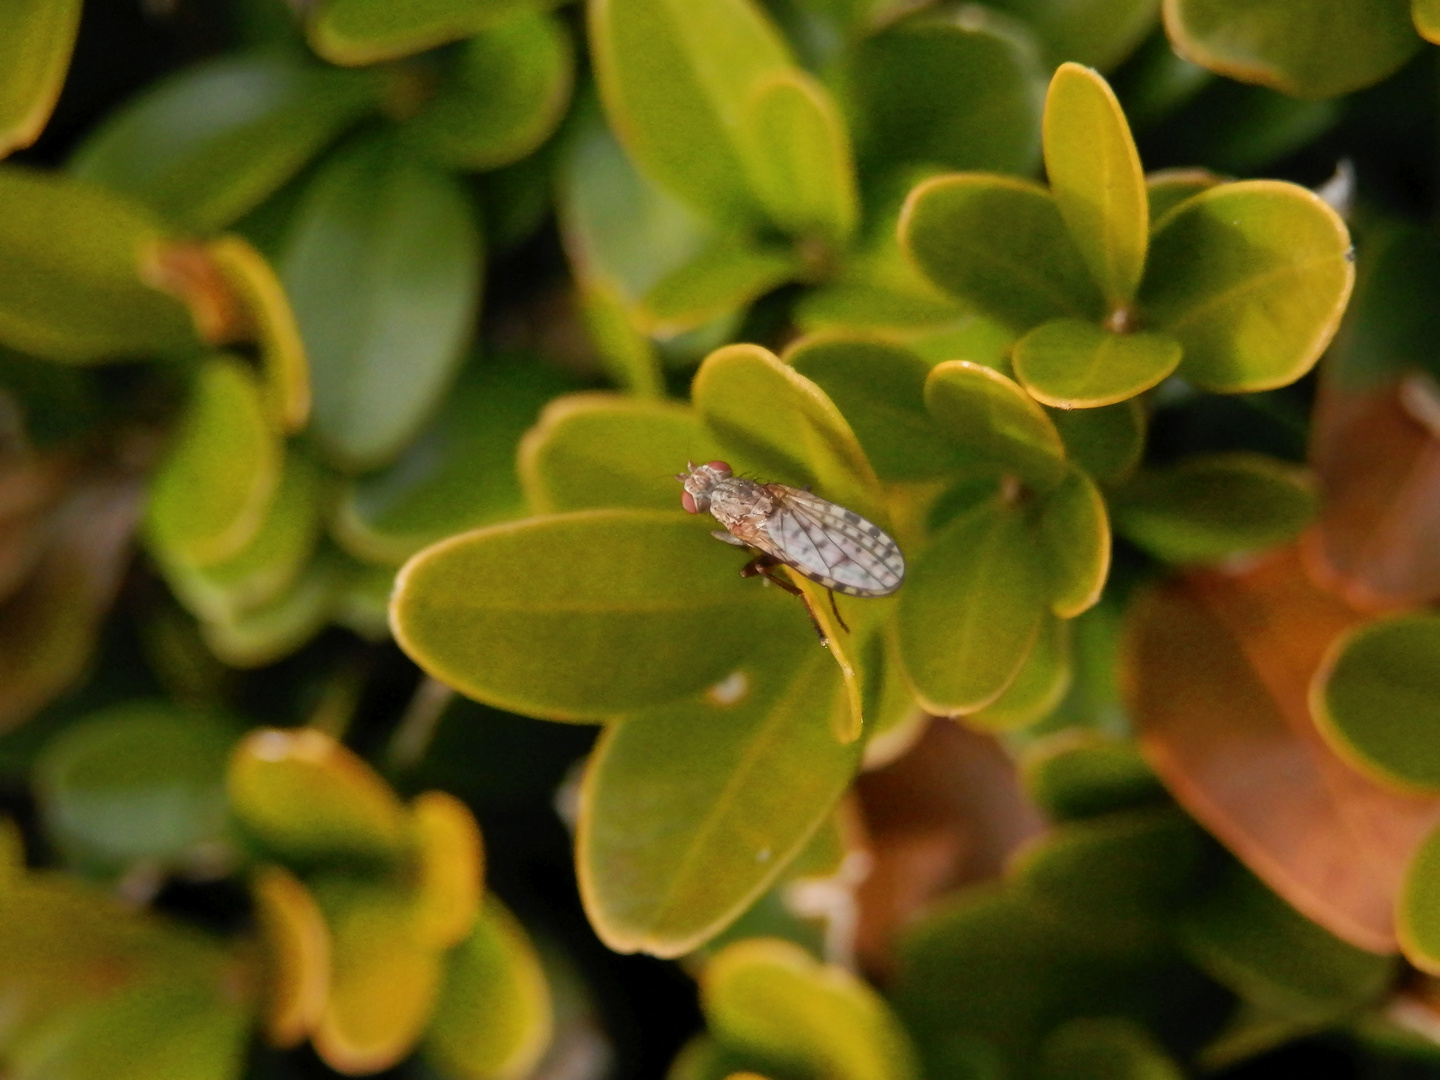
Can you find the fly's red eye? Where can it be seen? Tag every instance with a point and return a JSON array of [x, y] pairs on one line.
[[688, 502], [721, 466]]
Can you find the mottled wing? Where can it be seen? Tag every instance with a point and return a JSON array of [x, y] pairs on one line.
[[831, 545]]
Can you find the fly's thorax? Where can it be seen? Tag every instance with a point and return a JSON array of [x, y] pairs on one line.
[[738, 502]]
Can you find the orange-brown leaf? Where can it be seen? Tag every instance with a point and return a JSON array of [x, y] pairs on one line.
[[1217, 669], [1377, 454]]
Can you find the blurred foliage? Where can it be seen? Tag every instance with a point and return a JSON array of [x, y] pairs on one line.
[[348, 353]]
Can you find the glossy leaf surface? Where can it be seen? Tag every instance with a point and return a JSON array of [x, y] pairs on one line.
[[690, 811], [395, 239], [971, 608], [1309, 48], [36, 39], [594, 450], [1377, 699], [308, 797], [1072, 363], [677, 81], [209, 144], [1001, 246], [383, 980], [1095, 178], [141, 780], [779, 423], [994, 424], [366, 31], [79, 262], [1208, 507], [1075, 532], [798, 153], [211, 494], [494, 1017], [942, 90], [458, 473], [769, 997], [546, 616], [879, 387], [1251, 278], [503, 95]]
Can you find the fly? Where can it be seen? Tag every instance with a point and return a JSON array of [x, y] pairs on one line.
[[832, 546]]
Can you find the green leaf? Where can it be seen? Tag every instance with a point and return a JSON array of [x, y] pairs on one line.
[[366, 31], [141, 780], [971, 608], [1106, 442], [797, 150], [994, 424], [458, 473], [305, 796], [1071, 363], [1116, 879], [1038, 687], [503, 95], [79, 261], [983, 979], [594, 450], [770, 998], [265, 309], [36, 39], [690, 811], [1105, 1048], [879, 387], [1252, 278], [958, 91], [493, 1018], [1082, 774], [1305, 48], [1426, 14], [646, 263], [96, 988], [383, 267], [207, 145], [262, 635], [546, 616], [266, 568], [1000, 245], [384, 980], [1259, 946], [1095, 178], [1168, 188], [777, 422], [209, 498], [1208, 507], [677, 80], [1098, 33], [1075, 533], [1417, 916], [721, 278], [1377, 699]]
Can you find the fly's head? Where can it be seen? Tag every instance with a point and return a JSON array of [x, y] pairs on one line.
[[699, 481]]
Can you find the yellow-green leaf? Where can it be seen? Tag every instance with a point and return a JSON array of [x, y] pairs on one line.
[[36, 38], [1095, 177], [1252, 279], [1074, 364]]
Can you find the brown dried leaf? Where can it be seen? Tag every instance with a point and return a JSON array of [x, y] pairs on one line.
[[1377, 454], [1217, 669], [948, 812]]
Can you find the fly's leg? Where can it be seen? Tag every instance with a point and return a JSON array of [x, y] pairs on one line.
[[765, 566], [838, 617]]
